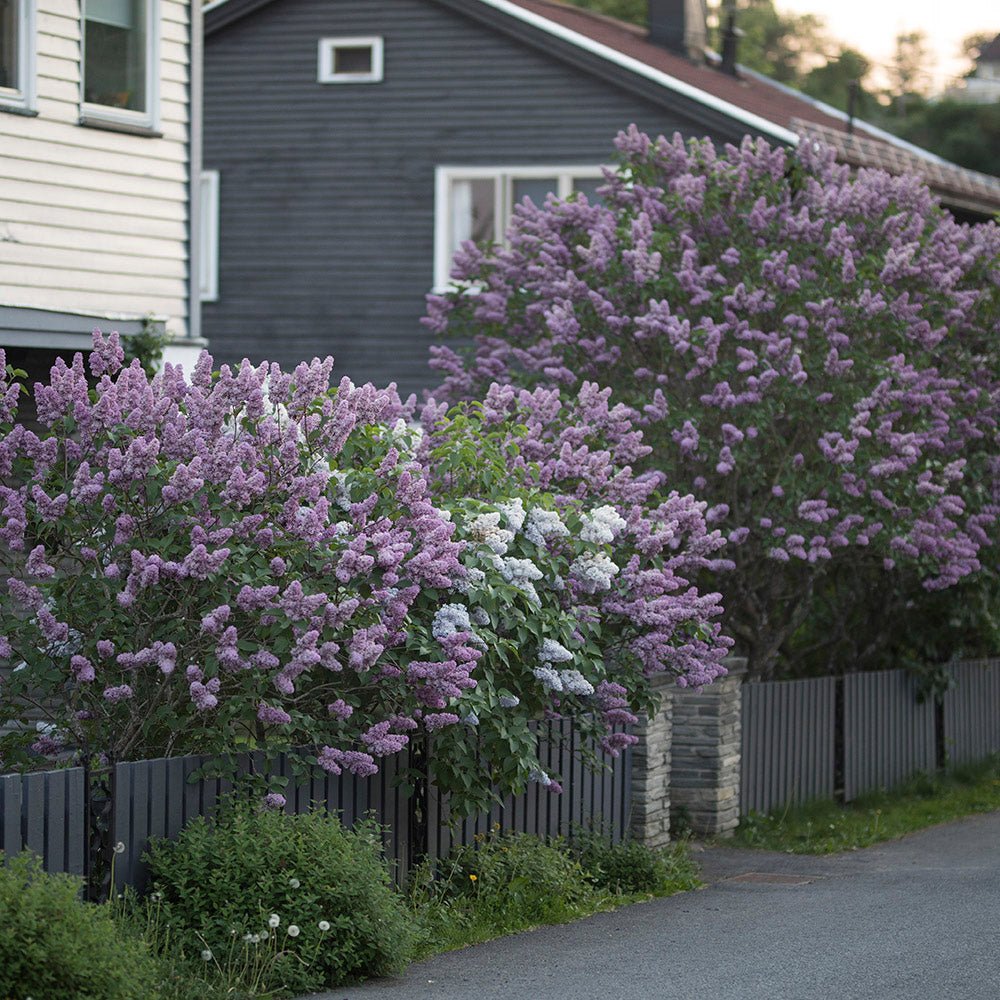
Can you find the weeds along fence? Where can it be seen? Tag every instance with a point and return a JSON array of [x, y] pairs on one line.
[[844, 736], [74, 817]]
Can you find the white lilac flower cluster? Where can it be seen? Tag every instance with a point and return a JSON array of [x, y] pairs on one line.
[[406, 437], [449, 619], [541, 525], [568, 680], [509, 701], [549, 678], [452, 618], [342, 490], [574, 682], [522, 573], [486, 528], [474, 577], [601, 525], [593, 571], [513, 512], [554, 652], [541, 778]]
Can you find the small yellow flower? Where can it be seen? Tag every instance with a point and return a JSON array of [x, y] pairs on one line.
[[473, 878]]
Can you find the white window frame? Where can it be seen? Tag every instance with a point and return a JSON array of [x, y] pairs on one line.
[[22, 97], [147, 120], [503, 208], [325, 65], [208, 236]]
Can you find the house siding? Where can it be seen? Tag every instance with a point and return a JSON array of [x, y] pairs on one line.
[[93, 220], [327, 192]]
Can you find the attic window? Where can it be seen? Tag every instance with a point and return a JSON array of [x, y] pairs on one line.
[[350, 60]]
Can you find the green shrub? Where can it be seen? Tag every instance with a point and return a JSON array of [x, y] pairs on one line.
[[501, 884], [55, 947], [631, 868], [325, 888], [522, 872]]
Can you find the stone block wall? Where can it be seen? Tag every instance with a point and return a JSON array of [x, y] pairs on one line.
[[650, 820], [705, 753]]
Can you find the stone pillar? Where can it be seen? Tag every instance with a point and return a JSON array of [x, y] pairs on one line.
[[706, 752], [650, 818]]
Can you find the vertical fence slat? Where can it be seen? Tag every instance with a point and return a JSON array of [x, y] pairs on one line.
[[11, 800], [55, 820], [76, 821]]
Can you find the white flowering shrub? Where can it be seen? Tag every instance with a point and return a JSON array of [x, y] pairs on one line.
[[576, 585]]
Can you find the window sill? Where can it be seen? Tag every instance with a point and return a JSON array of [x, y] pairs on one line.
[[108, 125], [18, 109]]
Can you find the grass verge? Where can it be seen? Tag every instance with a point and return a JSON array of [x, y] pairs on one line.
[[510, 883], [824, 827]]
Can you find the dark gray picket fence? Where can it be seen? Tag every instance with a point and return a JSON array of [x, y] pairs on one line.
[[46, 813], [788, 742], [889, 734], [593, 799], [56, 813], [972, 711], [808, 739]]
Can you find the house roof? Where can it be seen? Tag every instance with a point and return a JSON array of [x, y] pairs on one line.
[[761, 104], [990, 52], [857, 143]]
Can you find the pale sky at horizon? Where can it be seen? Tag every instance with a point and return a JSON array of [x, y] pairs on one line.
[[871, 26]]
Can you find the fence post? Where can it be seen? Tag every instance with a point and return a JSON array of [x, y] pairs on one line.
[[705, 772], [650, 812]]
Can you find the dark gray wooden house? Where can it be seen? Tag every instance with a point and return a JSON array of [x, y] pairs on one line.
[[352, 144]]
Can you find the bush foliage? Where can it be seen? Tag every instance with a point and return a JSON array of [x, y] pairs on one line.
[[56, 947], [316, 898], [258, 560], [631, 868]]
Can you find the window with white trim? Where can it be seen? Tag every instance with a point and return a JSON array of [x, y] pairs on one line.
[[120, 61], [476, 203], [17, 50], [208, 235], [357, 59]]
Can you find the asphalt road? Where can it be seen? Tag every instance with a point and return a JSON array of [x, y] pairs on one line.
[[916, 919]]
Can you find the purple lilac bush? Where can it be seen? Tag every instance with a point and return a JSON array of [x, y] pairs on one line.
[[254, 559], [815, 351]]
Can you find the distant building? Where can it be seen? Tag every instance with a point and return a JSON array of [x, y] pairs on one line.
[[99, 177], [983, 87], [353, 145]]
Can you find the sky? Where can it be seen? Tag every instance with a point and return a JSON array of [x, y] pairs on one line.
[[872, 25]]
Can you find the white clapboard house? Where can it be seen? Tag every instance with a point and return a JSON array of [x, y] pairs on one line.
[[100, 127]]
